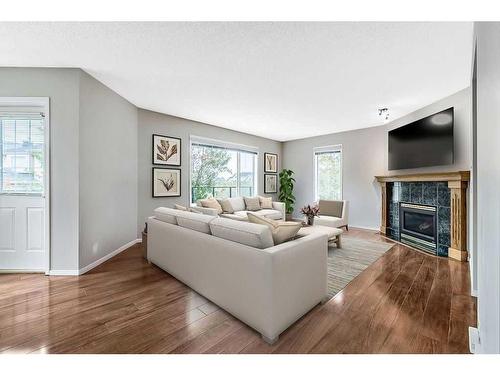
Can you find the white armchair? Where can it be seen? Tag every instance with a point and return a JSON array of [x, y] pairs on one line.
[[333, 214]]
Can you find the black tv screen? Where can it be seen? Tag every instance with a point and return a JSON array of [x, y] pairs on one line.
[[423, 143]]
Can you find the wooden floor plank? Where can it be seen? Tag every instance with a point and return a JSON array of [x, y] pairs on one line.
[[405, 302]]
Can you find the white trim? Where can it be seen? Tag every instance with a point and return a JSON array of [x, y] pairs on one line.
[[224, 144], [473, 292], [21, 271], [108, 256], [43, 102], [63, 273], [362, 227]]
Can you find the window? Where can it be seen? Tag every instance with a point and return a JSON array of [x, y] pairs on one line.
[[22, 150], [328, 172], [222, 170]]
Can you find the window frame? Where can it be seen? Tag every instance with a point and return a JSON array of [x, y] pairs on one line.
[[25, 111], [327, 149], [193, 139]]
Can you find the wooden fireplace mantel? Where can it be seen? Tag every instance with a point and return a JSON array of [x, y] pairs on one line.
[[457, 183]]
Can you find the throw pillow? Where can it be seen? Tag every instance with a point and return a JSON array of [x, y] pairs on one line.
[[179, 207], [195, 210], [281, 231], [252, 203], [266, 202], [211, 203], [226, 205]]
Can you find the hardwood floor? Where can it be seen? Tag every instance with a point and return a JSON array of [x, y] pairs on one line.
[[406, 302]]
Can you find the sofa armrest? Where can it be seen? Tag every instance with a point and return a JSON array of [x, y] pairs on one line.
[[300, 278], [280, 206], [206, 210]]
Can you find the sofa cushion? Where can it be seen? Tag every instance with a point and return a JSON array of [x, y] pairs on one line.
[[237, 203], [234, 217], [211, 203], [266, 202], [270, 214], [226, 205], [194, 221], [179, 207], [167, 215], [329, 221], [330, 208], [281, 231], [254, 235], [252, 203]]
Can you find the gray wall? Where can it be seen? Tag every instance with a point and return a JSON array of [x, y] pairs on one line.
[[365, 156], [61, 86], [108, 170], [488, 182], [156, 123]]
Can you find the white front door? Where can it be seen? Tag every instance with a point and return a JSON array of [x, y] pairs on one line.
[[22, 233], [22, 190]]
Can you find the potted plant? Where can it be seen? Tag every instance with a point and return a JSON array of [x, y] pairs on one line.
[[310, 212], [286, 191]]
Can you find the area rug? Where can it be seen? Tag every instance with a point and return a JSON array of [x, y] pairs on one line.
[[348, 262]]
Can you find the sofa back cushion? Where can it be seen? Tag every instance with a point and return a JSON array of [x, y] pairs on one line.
[[254, 235], [167, 215], [194, 221], [211, 203], [266, 202], [252, 203], [281, 231], [237, 203], [226, 205], [330, 208]]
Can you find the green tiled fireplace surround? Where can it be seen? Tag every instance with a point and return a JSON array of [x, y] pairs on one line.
[[428, 193]]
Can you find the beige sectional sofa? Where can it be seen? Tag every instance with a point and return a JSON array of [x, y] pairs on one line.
[[236, 265], [240, 211]]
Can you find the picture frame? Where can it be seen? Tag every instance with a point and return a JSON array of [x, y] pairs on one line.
[[270, 183], [166, 150], [166, 182], [270, 162]]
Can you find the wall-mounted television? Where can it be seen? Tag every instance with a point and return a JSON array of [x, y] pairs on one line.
[[423, 143]]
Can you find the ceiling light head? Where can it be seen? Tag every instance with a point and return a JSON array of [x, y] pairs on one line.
[[384, 113]]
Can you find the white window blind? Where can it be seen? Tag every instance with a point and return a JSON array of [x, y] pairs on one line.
[[22, 153]]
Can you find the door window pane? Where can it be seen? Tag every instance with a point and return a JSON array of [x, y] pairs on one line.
[[22, 154]]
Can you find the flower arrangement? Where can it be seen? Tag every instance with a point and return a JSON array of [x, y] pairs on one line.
[[310, 212]]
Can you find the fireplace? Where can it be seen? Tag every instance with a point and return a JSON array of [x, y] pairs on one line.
[[418, 226]]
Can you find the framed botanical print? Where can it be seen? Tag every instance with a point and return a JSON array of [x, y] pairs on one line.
[[270, 163], [166, 182], [270, 183], [166, 150]]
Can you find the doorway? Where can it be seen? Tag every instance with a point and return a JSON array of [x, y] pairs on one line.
[[24, 185]]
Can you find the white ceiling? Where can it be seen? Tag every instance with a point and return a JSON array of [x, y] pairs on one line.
[[277, 80]]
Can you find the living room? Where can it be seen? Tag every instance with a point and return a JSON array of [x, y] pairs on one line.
[[248, 189]]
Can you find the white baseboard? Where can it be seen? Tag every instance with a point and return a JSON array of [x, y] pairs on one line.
[[361, 227], [108, 256], [64, 273]]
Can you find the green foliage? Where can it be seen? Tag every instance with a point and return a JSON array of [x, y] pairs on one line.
[[330, 176], [286, 190], [207, 165]]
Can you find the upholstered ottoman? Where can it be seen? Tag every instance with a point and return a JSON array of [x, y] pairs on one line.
[[334, 234]]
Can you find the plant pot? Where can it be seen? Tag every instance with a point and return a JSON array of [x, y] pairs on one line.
[[288, 217], [310, 220]]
